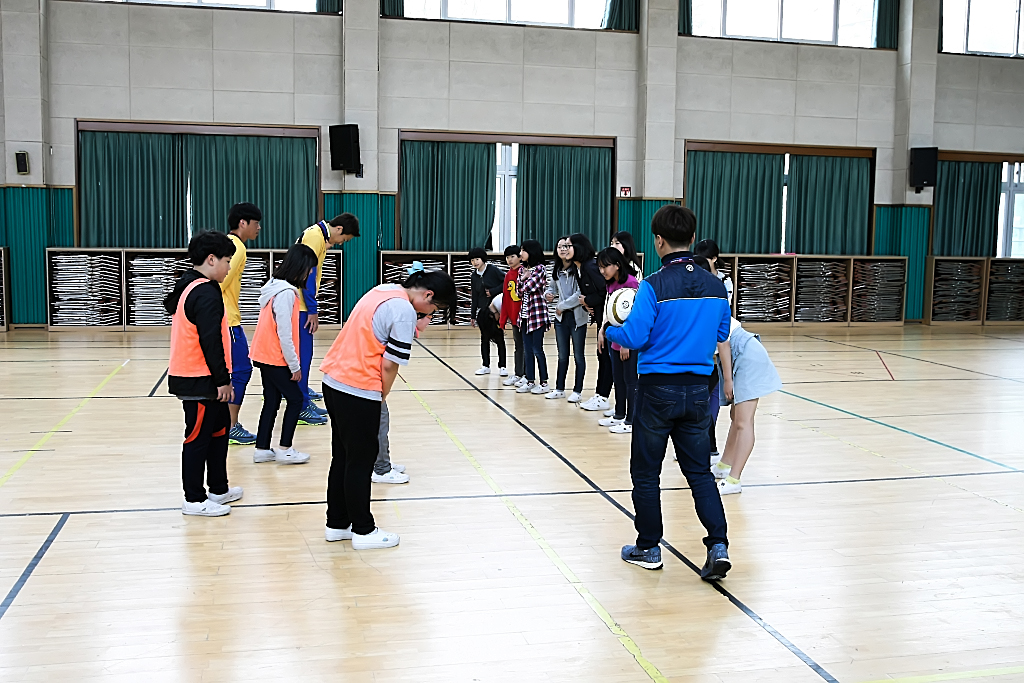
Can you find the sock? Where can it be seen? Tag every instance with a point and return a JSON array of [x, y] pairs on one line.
[[732, 480], [722, 466]]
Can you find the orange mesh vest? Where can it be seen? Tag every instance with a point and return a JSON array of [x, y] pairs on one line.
[[187, 359], [355, 356], [266, 345]]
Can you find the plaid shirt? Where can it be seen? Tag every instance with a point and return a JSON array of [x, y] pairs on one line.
[[534, 313]]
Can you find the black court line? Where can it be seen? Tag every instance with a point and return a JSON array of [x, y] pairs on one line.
[[20, 583], [159, 382], [785, 642], [71, 398]]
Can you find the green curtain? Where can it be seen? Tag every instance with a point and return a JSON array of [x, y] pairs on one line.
[[737, 198], [447, 201], [376, 214], [387, 222], [887, 23], [903, 231], [392, 8], [828, 204], [277, 174], [622, 15], [62, 217], [967, 208], [635, 218], [132, 189], [328, 6], [563, 190], [686, 17]]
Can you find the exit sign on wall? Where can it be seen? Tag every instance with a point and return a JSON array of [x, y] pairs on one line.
[[625, 191]]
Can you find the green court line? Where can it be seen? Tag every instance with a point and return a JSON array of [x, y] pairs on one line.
[[900, 429], [960, 676]]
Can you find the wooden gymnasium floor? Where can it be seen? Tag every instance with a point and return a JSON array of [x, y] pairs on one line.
[[879, 535]]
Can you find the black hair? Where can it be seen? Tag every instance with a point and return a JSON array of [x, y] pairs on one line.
[[702, 262], [209, 242], [438, 282], [243, 211], [534, 251], [478, 252], [626, 240], [613, 257], [296, 266], [582, 249], [706, 248], [512, 250], [348, 222], [675, 224], [558, 259]]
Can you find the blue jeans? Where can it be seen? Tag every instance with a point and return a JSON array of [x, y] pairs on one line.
[[679, 412], [565, 329], [241, 366], [534, 347], [305, 352]]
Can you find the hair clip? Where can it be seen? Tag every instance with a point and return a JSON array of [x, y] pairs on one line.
[[416, 267]]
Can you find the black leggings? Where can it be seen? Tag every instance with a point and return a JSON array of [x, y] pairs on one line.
[[355, 430], [277, 383]]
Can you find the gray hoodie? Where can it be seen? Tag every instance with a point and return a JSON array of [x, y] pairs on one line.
[[567, 297], [284, 296]]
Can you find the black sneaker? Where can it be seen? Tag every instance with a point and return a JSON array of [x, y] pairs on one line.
[[717, 564], [648, 559]]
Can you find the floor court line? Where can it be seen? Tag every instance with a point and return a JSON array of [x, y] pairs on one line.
[[20, 583], [159, 382], [956, 676], [785, 642]]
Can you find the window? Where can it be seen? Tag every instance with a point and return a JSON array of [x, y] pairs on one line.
[[570, 13], [987, 27], [829, 22], [1011, 212], [503, 232], [282, 5]]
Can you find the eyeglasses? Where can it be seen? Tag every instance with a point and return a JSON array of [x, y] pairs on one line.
[[564, 247]]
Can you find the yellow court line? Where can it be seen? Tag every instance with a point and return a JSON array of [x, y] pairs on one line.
[[599, 609], [46, 437], [961, 676]]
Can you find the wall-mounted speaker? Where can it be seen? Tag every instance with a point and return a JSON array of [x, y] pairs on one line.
[[345, 148], [924, 164], [21, 161]]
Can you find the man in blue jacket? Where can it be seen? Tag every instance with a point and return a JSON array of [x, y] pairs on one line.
[[680, 315]]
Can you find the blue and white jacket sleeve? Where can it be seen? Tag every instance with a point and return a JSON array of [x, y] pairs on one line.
[[635, 333], [725, 326], [309, 292]]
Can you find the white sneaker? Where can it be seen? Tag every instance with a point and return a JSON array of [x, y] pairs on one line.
[[574, 397], [715, 457], [390, 477], [234, 493], [397, 468], [291, 456], [331, 535], [260, 455], [610, 421], [609, 412], [595, 403], [555, 394], [521, 381], [719, 472], [502, 372], [378, 538], [725, 488], [207, 508], [524, 388], [621, 429], [540, 389], [512, 379], [484, 370]]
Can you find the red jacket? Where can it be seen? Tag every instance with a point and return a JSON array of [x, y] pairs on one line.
[[511, 300]]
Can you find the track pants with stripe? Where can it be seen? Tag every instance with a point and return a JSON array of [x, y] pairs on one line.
[[205, 450]]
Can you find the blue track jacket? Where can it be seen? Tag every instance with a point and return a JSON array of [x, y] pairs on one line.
[[680, 314]]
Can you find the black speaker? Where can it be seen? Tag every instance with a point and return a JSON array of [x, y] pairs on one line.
[[345, 148], [21, 161], [924, 162]]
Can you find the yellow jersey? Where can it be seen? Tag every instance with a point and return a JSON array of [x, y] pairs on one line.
[[231, 288], [313, 237]]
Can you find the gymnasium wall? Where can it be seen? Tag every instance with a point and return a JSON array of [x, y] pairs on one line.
[[979, 103]]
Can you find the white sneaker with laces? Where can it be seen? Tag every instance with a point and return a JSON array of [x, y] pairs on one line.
[[502, 372], [540, 389], [390, 477], [512, 379], [595, 403], [521, 381], [234, 493], [484, 370], [555, 394], [332, 535], [260, 455], [609, 412], [725, 488], [719, 472], [524, 388], [574, 397], [378, 538], [291, 456], [610, 421], [207, 508], [398, 468], [621, 429]]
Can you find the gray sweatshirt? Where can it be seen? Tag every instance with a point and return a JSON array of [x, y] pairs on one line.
[[567, 297], [284, 296]]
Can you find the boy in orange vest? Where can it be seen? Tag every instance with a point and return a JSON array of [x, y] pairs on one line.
[[199, 373]]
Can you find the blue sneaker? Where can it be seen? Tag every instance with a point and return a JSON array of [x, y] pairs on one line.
[[717, 564], [315, 395], [317, 409], [308, 416], [648, 559], [240, 436]]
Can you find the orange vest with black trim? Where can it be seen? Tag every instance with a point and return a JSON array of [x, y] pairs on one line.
[[266, 345], [355, 356], [187, 359]]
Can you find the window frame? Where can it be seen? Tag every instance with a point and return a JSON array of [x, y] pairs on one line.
[[780, 4], [1017, 53], [444, 16]]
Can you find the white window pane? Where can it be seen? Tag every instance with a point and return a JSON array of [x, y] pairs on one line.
[[515, 154], [295, 5], [954, 25], [512, 206], [752, 18], [807, 19], [706, 16], [485, 10], [541, 11], [1000, 231], [589, 13], [992, 27], [423, 9], [855, 21]]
